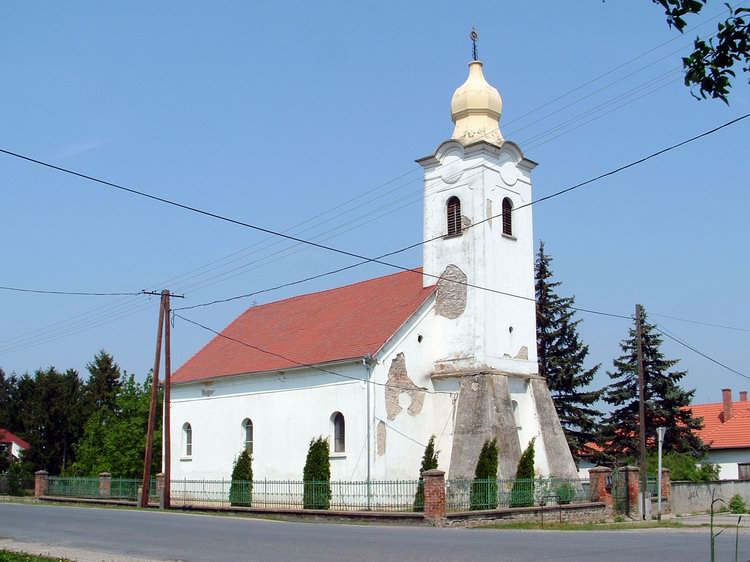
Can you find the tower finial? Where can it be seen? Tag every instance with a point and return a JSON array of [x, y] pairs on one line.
[[474, 36]]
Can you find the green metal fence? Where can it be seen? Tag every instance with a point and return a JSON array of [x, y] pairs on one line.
[[466, 495], [392, 495], [89, 488]]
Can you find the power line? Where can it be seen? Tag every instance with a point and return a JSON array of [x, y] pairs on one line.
[[72, 293], [694, 350], [701, 322], [379, 259], [309, 365]]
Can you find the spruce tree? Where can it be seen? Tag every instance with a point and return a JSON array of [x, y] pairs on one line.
[[667, 403], [317, 476], [104, 381], [241, 488], [522, 494], [429, 462], [484, 487], [561, 357]]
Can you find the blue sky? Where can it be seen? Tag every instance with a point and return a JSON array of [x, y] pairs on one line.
[[275, 113]]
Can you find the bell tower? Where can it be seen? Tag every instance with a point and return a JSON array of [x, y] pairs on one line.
[[480, 253]]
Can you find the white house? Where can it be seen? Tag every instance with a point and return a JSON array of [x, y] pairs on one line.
[[12, 445], [379, 366]]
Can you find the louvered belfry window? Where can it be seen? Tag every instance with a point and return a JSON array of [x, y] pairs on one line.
[[507, 217], [454, 216]]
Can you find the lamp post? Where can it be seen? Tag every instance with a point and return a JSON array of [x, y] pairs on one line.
[[660, 431]]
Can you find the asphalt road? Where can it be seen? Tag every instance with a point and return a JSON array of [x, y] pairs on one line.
[[178, 536]]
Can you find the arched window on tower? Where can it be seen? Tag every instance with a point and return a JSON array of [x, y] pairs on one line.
[[187, 440], [339, 432], [247, 435], [507, 217], [454, 216], [516, 414]]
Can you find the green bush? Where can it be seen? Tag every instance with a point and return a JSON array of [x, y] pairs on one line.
[[522, 494], [566, 492], [429, 462], [484, 487], [683, 466], [317, 476], [737, 504], [241, 488]]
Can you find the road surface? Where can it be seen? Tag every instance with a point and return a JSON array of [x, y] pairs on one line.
[[120, 534]]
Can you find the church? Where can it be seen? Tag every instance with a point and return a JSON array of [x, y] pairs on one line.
[[378, 367]]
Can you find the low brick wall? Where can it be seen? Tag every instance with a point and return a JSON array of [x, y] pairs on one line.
[[593, 512]]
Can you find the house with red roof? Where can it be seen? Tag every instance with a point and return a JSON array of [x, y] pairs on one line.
[[12, 445], [726, 432], [378, 367]]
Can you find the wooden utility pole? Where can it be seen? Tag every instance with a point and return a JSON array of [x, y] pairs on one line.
[[641, 407], [162, 333]]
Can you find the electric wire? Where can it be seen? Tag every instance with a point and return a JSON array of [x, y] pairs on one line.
[[308, 365], [69, 293]]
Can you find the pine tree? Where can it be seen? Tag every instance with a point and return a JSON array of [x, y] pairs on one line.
[[522, 494], [104, 381], [429, 462], [241, 489], [317, 476], [561, 356], [484, 487], [667, 403]]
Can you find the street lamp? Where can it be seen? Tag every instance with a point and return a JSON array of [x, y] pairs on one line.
[[660, 431]]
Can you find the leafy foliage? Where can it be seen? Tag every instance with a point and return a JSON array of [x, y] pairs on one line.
[[115, 440], [709, 68], [429, 462], [484, 487], [737, 504], [104, 382], [561, 356], [316, 476], [522, 493], [241, 489], [683, 466], [666, 402]]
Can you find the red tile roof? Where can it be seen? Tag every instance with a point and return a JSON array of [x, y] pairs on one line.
[[717, 434], [337, 324], [7, 437]]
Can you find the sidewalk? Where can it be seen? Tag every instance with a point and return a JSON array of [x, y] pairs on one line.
[[722, 519]]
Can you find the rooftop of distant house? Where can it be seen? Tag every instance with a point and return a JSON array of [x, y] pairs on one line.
[[7, 437], [726, 424]]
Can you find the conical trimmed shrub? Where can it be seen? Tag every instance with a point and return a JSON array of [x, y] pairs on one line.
[[522, 494], [429, 462], [316, 476], [241, 488], [484, 487]]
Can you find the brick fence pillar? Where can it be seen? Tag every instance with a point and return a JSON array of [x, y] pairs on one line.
[[599, 485], [41, 483], [160, 489], [434, 495], [632, 476], [105, 484]]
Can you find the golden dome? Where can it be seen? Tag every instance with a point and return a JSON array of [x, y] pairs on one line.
[[475, 109]]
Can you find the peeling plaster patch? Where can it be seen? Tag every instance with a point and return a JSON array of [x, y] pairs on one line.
[[380, 446], [399, 383], [523, 353], [507, 356], [451, 293], [489, 212], [465, 222]]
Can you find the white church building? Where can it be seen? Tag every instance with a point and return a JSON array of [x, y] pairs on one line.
[[379, 366]]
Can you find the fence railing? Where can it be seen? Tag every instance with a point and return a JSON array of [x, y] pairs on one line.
[[90, 488], [466, 495], [391, 495]]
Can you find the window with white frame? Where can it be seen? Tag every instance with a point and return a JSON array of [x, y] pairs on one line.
[[187, 440], [339, 432], [516, 414], [247, 435]]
